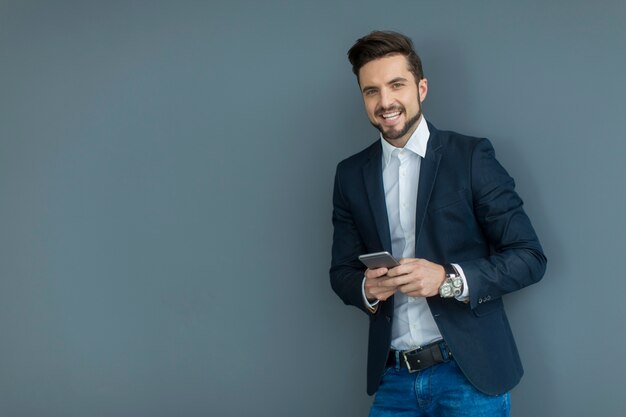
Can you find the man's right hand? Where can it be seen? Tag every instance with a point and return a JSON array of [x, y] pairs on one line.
[[377, 286]]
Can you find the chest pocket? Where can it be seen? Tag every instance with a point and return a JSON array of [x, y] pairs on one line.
[[446, 200]]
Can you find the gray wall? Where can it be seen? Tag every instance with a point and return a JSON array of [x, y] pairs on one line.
[[165, 197]]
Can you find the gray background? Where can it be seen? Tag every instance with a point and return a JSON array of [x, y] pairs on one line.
[[165, 197]]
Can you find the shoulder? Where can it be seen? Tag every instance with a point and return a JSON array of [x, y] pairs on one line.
[[459, 148], [454, 141], [476, 158]]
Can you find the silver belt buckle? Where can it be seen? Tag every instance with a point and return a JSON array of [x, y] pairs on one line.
[[406, 360]]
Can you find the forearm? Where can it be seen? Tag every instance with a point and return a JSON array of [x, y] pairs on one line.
[[492, 277], [348, 285]]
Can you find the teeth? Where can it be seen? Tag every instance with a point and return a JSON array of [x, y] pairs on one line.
[[389, 115]]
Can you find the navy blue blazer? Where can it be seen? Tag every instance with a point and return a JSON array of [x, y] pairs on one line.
[[467, 213]]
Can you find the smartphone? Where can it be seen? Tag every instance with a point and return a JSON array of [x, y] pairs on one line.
[[379, 260]]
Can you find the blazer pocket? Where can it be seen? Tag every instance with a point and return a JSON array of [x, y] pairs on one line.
[[446, 200]]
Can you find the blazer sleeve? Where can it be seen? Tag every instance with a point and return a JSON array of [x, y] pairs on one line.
[[516, 259], [346, 271]]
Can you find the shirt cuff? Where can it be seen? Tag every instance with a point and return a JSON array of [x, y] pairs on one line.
[[465, 294], [369, 306]]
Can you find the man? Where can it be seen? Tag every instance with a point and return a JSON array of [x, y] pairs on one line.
[[441, 203]]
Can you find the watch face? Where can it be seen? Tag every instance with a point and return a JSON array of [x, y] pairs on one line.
[[457, 283], [445, 290]]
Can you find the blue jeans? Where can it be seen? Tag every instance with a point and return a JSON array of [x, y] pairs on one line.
[[439, 391]]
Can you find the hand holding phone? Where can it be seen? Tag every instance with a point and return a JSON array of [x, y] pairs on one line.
[[373, 289]]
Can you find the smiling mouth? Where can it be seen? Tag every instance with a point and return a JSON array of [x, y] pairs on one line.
[[390, 117]]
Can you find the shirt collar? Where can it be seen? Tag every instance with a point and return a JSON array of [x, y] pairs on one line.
[[416, 143]]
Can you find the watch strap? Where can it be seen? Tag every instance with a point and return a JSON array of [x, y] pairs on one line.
[[451, 271]]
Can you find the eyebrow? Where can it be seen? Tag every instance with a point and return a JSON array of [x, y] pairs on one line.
[[395, 80]]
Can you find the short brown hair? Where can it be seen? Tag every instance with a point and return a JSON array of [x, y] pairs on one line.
[[382, 43]]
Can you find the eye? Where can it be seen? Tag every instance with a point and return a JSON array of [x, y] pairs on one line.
[[397, 85], [369, 92]]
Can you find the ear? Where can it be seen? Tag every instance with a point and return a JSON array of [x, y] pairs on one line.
[[423, 89]]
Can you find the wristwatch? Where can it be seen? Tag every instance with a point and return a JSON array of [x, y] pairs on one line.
[[453, 284]]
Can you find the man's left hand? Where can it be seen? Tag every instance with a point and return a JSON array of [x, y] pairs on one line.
[[417, 277]]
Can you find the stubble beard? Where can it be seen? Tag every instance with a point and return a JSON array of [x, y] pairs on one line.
[[397, 134]]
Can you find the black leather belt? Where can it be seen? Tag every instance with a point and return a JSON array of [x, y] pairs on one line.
[[420, 358]]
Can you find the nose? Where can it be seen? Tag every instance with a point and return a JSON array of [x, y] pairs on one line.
[[386, 99]]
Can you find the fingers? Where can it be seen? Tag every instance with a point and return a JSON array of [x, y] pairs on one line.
[[426, 281], [375, 273], [416, 277], [377, 278], [380, 294], [383, 282], [413, 266], [407, 266], [385, 295], [396, 281], [377, 284]]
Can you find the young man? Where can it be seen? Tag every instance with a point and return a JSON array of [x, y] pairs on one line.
[[439, 340]]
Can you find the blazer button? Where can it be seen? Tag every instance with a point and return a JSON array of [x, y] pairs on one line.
[[388, 318]]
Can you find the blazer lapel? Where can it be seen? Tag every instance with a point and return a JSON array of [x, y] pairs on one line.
[[428, 174], [373, 177]]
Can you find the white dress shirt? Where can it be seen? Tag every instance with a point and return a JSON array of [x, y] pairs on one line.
[[413, 323]]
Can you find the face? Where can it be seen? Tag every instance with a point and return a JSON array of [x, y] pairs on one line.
[[392, 97]]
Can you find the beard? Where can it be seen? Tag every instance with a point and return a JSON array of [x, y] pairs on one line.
[[397, 134]]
